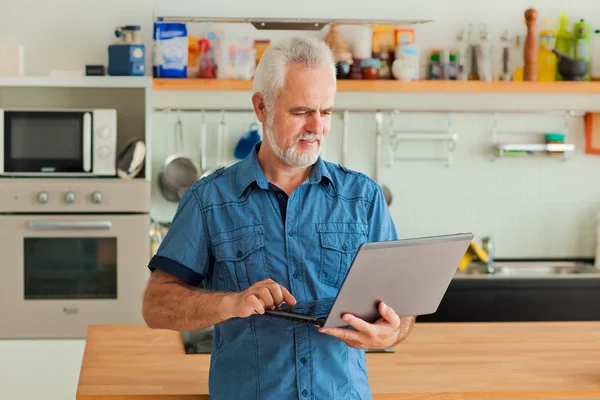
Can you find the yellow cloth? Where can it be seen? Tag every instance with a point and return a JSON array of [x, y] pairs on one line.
[[473, 252]]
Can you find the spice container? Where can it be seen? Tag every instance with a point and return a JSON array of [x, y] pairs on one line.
[[453, 67], [355, 71], [370, 68], [434, 66]]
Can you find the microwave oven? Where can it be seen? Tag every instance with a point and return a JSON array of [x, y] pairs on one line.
[[57, 142]]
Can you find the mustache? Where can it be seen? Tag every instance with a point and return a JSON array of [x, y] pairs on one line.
[[309, 136]]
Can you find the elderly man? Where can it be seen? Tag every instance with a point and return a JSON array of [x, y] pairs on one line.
[[280, 226]]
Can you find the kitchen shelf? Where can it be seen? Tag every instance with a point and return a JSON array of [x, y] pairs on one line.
[[550, 147], [424, 86]]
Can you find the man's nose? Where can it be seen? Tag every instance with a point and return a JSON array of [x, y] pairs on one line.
[[315, 124]]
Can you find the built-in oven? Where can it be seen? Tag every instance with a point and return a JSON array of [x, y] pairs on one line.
[[58, 142], [64, 271]]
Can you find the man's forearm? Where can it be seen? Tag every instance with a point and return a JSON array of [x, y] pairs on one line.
[[406, 325], [182, 308]]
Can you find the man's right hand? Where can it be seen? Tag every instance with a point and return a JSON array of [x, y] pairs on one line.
[[258, 297]]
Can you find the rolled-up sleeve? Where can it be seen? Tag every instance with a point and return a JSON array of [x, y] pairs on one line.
[[184, 251], [381, 224]]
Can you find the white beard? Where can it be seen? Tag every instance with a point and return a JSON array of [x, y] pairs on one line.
[[293, 157]]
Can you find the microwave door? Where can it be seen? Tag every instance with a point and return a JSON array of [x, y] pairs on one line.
[[47, 142]]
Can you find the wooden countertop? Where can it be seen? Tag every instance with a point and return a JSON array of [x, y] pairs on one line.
[[437, 361]]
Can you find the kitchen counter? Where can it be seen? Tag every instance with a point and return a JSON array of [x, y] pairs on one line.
[[438, 360]]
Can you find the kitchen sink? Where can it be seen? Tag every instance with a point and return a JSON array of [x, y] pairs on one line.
[[530, 270]]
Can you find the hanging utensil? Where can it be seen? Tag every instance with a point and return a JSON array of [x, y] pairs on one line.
[[387, 193], [345, 120], [246, 144], [221, 137], [179, 171], [203, 144], [167, 191], [224, 140]]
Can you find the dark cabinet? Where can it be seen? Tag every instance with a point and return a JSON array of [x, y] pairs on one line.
[[515, 300]]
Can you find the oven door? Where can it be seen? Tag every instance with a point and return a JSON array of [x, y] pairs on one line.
[[62, 273], [47, 142]]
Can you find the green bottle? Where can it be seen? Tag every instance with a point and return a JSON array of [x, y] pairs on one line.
[[582, 35], [563, 40]]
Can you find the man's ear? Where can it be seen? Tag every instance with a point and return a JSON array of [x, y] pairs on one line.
[[259, 107]]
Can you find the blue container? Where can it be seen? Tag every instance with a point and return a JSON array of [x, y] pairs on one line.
[[127, 60]]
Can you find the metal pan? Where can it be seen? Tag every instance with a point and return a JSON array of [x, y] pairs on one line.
[[179, 171]]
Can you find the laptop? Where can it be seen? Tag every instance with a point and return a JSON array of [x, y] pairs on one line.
[[409, 275]]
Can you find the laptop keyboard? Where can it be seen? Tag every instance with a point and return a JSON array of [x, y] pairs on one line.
[[313, 308]]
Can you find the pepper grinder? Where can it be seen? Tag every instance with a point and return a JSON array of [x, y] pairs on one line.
[[530, 51]]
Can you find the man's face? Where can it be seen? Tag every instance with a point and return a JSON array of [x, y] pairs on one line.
[[301, 116]]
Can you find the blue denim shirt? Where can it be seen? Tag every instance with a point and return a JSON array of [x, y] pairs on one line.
[[233, 229]]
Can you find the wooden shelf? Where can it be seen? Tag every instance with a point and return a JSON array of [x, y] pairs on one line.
[[397, 86]]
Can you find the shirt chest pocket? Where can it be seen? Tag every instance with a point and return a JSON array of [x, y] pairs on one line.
[[239, 258], [339, 243]]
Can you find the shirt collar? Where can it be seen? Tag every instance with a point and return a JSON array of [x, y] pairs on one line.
[[249, 171]]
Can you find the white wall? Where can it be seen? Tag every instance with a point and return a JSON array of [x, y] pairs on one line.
[[533, 207], [67, 34]]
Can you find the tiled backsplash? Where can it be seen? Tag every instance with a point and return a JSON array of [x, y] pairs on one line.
[[532, 206]]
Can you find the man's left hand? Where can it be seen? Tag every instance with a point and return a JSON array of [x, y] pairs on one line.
[[384, 333]]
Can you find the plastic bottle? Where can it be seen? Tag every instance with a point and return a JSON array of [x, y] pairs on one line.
[[435, 68], [564, 38], [582, 35], [546, 59], [453, 67]]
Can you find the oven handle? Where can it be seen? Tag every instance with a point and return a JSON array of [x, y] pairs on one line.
[[38, 225]]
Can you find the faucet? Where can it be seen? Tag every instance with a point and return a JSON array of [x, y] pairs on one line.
[[488, 247]]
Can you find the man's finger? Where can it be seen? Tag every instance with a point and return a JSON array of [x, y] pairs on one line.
[[360, 324], [276, 293], [256, 304], [287, 296], [344, 334], [264, 294], [389, 315]]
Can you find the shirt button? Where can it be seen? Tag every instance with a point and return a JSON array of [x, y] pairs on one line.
[[305, 393], [291, 233], [239, 253], [304, 360], [344, 247], [280, 195], [296, 275]]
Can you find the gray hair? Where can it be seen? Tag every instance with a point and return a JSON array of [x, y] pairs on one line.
[[279, 56]]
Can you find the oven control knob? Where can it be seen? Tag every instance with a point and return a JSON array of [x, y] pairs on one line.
[[43, 197], [70, 197], [97, 197]]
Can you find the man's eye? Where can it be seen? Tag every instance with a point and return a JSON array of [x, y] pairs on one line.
[[326, 113]]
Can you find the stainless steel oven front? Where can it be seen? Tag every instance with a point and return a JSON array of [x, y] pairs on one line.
[[63, 272]]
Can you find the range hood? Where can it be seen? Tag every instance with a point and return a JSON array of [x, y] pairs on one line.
[[298, 15]]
